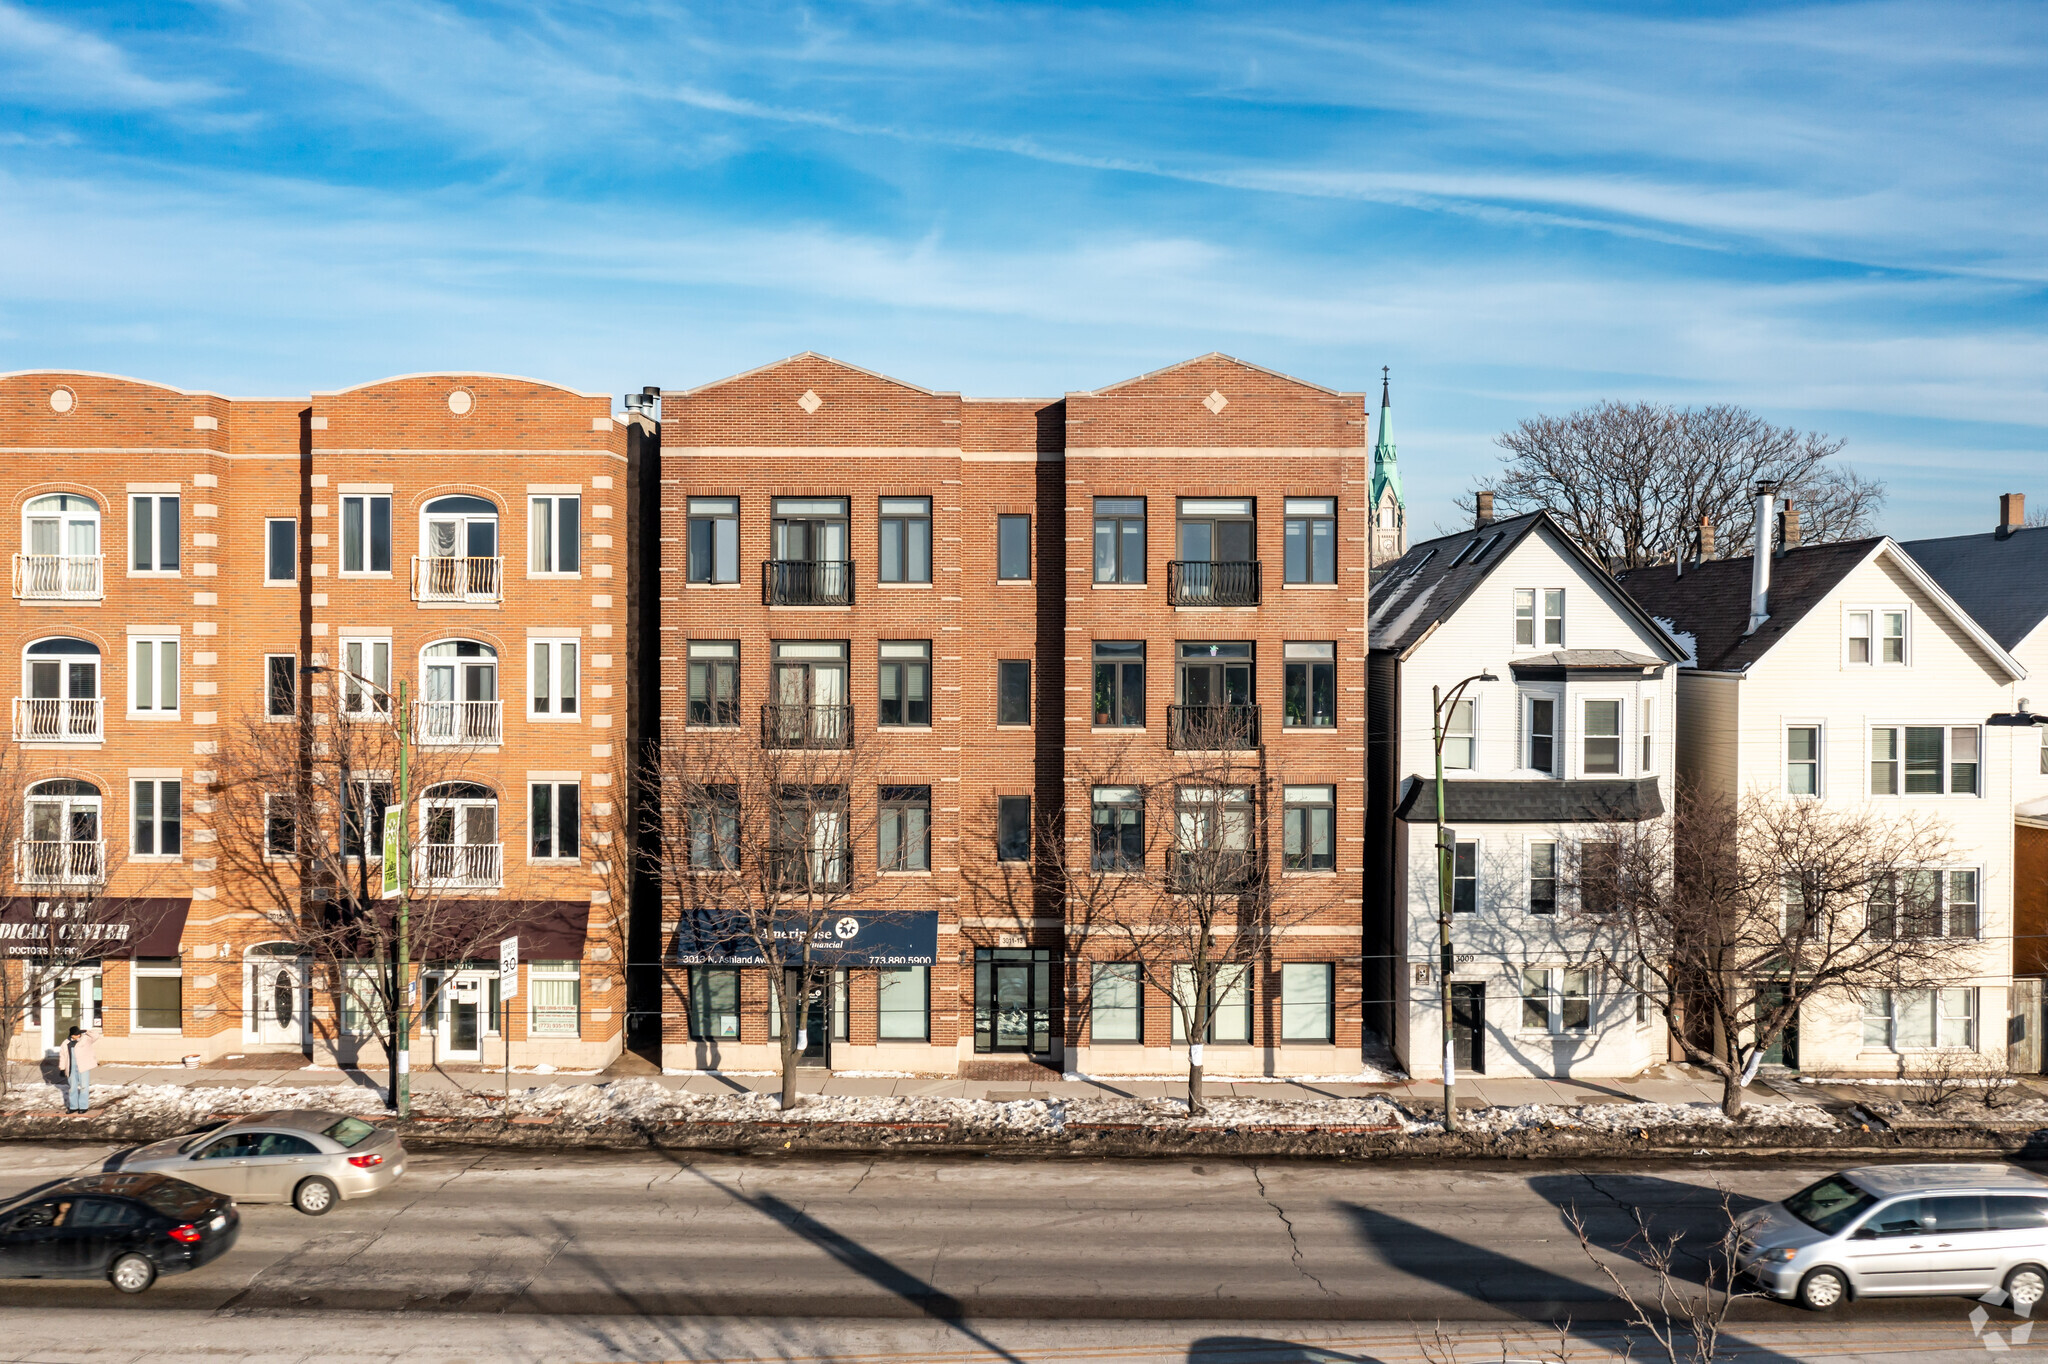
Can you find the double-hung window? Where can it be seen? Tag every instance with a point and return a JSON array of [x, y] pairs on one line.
[[159, 994], [714, 682], [556, 991], [554, 534], [1542, 741], [1120, 539], [159, 816], [280, 827], [1556, 999], [1802, 760], [714, 535], [1230, 1003], [905, 839], [1120, 684], [1013, 829], [280, 686], [1910, 1020], [1924, 760], [1543, 876], [1310, 539], [1925, 902], [553, 830], [1115, 1002], [153, 532], [1876, 635], [153, 674], [1539, 616], [1461, 733], [1309, 674], [1306, 999], [362, 819], [715, 829], [365, 533], [1308, 827], [281, 550], [1649, 729], [1602, 739], [906, 555], [1464, 877], [1013, 691], [1013, 548], [903, 688], [1119, 828], [553, 677], [365, 676]]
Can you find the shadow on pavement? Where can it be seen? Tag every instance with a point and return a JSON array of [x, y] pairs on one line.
[[1608, 1204], [1262, 1350]]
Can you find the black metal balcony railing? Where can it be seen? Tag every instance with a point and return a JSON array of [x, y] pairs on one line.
[[795, 871], [807, 582], [1212, 729], [1201, 582], [806, 726], [1213, 871]]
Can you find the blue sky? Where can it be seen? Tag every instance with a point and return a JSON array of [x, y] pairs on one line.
[[1831, 213]]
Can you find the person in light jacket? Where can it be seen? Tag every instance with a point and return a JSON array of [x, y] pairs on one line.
[[75, 1058]]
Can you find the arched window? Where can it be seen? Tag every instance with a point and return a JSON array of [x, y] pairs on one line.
[[458, 559], [64, 846], [60, 691], [60, 542], [459, 844], [459, 693]]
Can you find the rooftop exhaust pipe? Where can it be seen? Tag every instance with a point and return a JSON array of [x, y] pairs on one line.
[[1760, 559]]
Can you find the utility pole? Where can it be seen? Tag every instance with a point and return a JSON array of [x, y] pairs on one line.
[[401, 1085], [1446, 958]]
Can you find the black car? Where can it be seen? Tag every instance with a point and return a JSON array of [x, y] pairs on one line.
[[126, 1229]]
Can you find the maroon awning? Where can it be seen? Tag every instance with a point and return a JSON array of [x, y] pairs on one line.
[[116, 926], [548, 930]]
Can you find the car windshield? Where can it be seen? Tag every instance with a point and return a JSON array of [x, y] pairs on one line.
[[176, 1198], [350, 1131], [1829, 1205]]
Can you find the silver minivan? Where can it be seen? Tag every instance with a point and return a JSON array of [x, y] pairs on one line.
[[1898, 1230]]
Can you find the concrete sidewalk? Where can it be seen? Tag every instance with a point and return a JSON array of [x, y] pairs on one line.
[[1665, 1084]]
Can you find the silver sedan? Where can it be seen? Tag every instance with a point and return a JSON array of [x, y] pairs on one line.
[[305, 1157]]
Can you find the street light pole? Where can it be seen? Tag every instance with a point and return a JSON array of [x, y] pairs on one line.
[[1446, 958], [401, 1088]]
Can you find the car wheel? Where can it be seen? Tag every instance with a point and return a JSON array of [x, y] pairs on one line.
[[1822, 1290], [131, 1273], [2026, 1286], [313, 1196]]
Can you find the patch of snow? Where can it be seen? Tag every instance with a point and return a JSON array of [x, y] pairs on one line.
[[1685, 639]]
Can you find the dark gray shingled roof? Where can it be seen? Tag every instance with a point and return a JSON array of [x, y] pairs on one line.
[[1534, 800], [1433, 579], [2002, 582], [1563, 661], [1710, 601]]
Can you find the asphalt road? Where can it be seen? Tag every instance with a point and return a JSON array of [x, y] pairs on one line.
[[961, 1253]]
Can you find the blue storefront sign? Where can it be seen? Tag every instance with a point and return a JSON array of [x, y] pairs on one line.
[[846, 938]]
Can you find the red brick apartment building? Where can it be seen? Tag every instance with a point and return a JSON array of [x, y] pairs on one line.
[[1021, 608], [194, 575]]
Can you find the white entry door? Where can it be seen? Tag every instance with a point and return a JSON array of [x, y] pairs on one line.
[[464, 1006], [279, 990]]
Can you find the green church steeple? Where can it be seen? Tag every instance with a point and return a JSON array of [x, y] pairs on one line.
[[1389, 510]]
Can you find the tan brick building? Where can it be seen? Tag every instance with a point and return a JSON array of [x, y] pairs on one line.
[[192, 571], [1020, 608]]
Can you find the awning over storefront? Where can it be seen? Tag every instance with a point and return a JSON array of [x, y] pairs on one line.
[[548, 930], [114, 926], [849, 938]]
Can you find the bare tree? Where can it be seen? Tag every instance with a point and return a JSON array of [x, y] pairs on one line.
[[1173, 866], [1685, 1322], [1631, 481], [756, 845], [1738, 913], [61, 911], [298, 812]]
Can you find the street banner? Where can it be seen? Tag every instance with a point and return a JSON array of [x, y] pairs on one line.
[[394, 875]]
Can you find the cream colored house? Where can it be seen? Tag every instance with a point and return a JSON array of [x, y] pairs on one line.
[[1844, 673], [1572, 733]]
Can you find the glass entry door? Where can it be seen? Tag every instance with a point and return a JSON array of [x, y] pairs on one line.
[[462, 1014], [1468, 1026], [278, 988], [1013, 999], [814, 1019]]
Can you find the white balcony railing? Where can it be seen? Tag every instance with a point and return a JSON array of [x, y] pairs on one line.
[[55, 720], [457, 580], [67, 862], [459, 866], [58, 577], [458, 722]]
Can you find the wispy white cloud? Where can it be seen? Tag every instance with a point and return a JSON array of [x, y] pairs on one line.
[[66, 66]]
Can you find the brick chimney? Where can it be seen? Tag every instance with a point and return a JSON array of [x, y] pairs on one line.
[[1788, 527], [2012, 513], [1482, 502], [1706, 538]]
